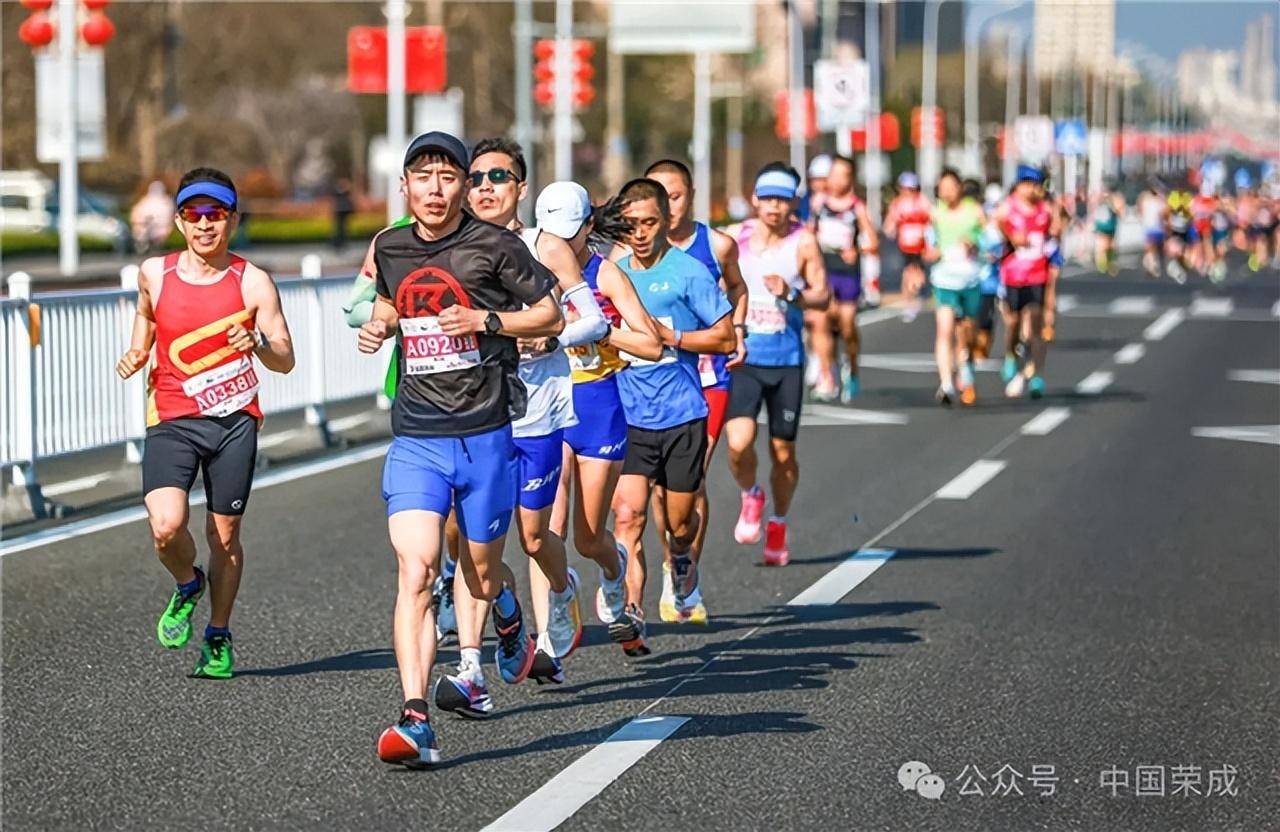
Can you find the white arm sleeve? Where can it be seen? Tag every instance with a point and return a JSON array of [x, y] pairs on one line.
[[591, 325]]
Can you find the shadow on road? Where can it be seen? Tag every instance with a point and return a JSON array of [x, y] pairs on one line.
[[964, 552]]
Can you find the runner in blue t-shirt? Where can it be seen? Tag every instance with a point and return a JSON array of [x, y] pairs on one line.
[[666, 413]]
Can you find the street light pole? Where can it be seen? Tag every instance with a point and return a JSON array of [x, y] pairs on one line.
[[1013, 92], [396, 140], [68, 165], [524, 96], [929, 97], [871, 34], [702, 136], [795, 85], [973, 23], [564, 90]]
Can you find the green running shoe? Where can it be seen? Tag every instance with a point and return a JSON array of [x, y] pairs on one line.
[[215, 659], [174, 627]]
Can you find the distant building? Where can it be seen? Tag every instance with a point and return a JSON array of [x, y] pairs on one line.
[[1258, 67], [1079, 34]]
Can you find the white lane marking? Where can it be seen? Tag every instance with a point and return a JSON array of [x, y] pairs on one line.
[[130, 515], [1164, 324], [843, 579], [1259, 376], [1130, 354], [1275, 310], [1262, 434], [79, 484], [966, 484], [349, 422], [1211, 307], [1132, 305], [280, 438], [853, 415], [875, 316], [1095, 383], [1044, 423], [587, 776], [1066, 303], [916, 362]]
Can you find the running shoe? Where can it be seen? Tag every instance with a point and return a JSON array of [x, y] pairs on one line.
[[944, 396], [1015, 386], [1254, 263], [911, 312], [667, 603], [410, 742], [465, 694], [1218, 272], [964, 379], [174, 627], [629, 632], [687, 590], [1036, 387], [446, 615], [611, 598], [826, 389], [1048, 332], [775, 544], [514, 652], [852, 386], [564, 629], [1009, 369], [546, 669], [1177, 272], [216, 660], [969, 395], [747, 531]]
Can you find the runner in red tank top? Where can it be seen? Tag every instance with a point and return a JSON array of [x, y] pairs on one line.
[[909, 215], [208, 313]]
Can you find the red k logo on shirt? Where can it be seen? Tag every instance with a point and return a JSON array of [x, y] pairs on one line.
[[427, 292]]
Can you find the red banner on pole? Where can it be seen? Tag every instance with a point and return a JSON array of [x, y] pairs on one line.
[[424, 59]]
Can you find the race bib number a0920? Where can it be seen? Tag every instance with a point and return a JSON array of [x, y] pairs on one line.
[[223, 390], [427, 350]]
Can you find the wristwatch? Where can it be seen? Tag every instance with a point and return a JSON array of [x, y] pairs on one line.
[[553, 344], [263, 343], [492, 324]]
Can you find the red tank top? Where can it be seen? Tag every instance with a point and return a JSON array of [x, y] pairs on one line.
[[914, 216], [197, 373], [1028, 264]]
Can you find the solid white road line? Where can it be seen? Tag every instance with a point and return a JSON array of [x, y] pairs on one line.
[[855, 416], [349, 422], [1263, 434], [1046, 421], [1130, 354], [1275, 310], [1259, 376], [1132, 305], [970, 480], [1065, 303], [134, 513], [1095, 383], [843, 579], [57, 489], [1211, 307], [274, 439], [1164, 324], [587, 776], [875, 316]]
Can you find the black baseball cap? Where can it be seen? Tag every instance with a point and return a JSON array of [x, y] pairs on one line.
[[441, 142]]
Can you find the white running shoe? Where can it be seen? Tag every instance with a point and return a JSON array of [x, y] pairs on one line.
[[1016, 386], [564, 626], [611, 598]]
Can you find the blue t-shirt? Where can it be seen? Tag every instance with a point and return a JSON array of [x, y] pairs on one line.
[[682, 295], [712, 365]]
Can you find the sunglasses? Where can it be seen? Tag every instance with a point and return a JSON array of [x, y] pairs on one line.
[[498, 176], [194, 213]]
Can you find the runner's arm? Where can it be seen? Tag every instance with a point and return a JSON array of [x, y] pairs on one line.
[[590, 325], [528, 281], [640, 338], [815, 294], [144, 326], [713, 311], [735, 289], [260, 292], [869, 236], [364, 291]]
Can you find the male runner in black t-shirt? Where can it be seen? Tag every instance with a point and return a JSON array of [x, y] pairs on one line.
[[454, 290]]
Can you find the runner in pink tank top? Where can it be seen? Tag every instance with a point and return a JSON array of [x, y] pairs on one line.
[[1027, 224]]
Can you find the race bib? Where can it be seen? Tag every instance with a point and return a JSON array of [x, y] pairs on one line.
[[1034, 249], [427, 350], [766, 316], [707, 371], [911, 236], [583, 358], [223, 390], [668, 353], [834, 234], [957, 254]]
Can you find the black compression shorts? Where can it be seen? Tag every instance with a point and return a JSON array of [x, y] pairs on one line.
[[225, 447]]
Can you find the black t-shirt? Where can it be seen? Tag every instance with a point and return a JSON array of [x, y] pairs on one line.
[[456, 386]]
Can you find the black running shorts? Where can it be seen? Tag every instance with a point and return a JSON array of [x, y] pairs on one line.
[[986, 313], [779, 389], [225, 447], [1020, 297], [673, 458]]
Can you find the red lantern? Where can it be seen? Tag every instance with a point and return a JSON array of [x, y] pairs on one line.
[[97, 30], [36, 31], [37, 5], [95, 5]]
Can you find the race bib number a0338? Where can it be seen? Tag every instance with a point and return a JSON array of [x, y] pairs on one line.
[[427, 350], [223, 390]]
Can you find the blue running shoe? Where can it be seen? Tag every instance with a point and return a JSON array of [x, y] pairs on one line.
[[446, 616], [514, 653], [852, 386], [1035, 387], [465, 695], [546, 669], [410, 742], [1009, 370]]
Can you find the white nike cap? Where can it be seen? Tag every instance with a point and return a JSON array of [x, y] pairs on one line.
[[562, 209]]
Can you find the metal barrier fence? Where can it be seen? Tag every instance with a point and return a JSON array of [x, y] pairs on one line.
[[62, 395]]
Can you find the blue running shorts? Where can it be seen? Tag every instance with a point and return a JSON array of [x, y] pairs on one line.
[[540, 458], [601, 432]]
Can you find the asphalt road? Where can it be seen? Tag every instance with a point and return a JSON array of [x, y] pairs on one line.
[[1060, 601]]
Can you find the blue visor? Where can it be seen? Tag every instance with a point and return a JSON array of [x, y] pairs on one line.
[[776, 183], [1030, 173], [213, 190]]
